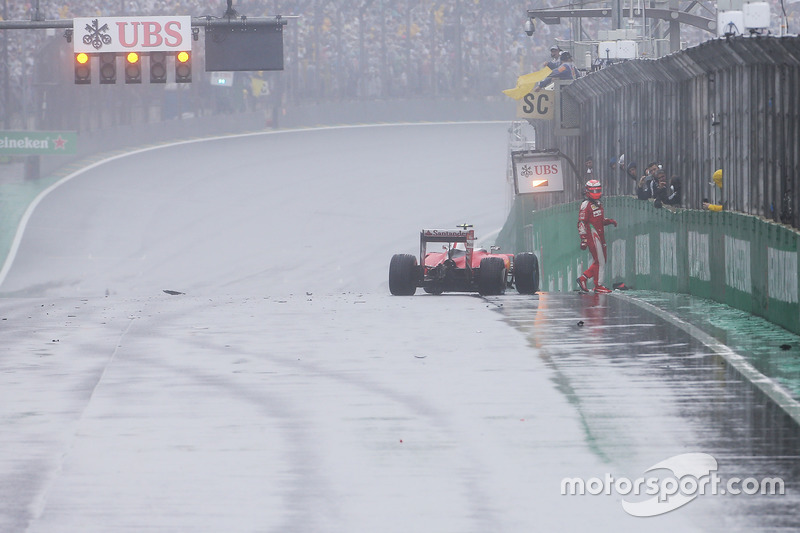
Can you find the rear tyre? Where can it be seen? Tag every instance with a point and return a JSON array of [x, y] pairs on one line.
[[403, 272], [526, 273], [492, 276]]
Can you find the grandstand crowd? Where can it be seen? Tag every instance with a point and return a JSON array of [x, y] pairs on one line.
[[346, 50]]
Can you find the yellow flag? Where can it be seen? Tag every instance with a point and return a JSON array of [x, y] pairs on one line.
[[526, 83]]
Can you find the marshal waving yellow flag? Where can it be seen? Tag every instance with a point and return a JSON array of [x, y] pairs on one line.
[[526, 83]]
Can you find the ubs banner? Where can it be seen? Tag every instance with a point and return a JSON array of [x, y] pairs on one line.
[[127, 34], [537, 172]]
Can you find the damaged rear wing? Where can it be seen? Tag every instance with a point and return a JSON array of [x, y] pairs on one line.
[[467, 236]]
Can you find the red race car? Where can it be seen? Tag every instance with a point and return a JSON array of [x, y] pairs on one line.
[[460, 267]]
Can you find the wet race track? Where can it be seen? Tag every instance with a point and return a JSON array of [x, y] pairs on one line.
[[279, 387], [646, 390]]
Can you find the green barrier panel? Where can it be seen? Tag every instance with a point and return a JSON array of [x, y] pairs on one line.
[[739, 260]]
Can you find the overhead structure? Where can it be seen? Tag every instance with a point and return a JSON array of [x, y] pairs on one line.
[[674, 16], [232, 43]]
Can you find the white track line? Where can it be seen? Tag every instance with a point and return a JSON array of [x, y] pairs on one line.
[[766, 385]]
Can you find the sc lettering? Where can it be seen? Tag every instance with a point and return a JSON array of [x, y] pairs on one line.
[[536, 102]]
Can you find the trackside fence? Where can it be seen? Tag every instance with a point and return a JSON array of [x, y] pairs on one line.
[[730, 104]]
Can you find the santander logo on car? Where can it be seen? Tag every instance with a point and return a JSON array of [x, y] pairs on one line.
[[445, 233]]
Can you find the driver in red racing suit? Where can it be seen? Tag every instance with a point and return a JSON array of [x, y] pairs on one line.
[[591, 228]]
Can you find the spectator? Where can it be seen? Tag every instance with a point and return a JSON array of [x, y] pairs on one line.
[[787, 210], [644, 188], [589, 164], [555, 58], [674, 193], [632, 171], [650, 178], [651, 170], [660, 187]]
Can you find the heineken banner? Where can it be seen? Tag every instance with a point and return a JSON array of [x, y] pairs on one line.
[[37, 142]]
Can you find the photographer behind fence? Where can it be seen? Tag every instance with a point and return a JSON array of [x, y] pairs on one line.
[[660, 188], [645, 187]]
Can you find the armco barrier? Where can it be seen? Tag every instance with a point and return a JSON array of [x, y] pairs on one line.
[[739, 260]]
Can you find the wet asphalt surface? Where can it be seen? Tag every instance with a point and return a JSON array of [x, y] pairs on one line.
[[647, 390], [644, 389]]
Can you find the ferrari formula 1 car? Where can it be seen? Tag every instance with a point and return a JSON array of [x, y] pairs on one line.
[[460, 267]]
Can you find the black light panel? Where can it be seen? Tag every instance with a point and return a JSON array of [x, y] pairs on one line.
[[248, 48]]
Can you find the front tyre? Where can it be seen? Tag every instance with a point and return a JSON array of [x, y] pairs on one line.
[[403, 274], [526, 273], [492, 276]]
